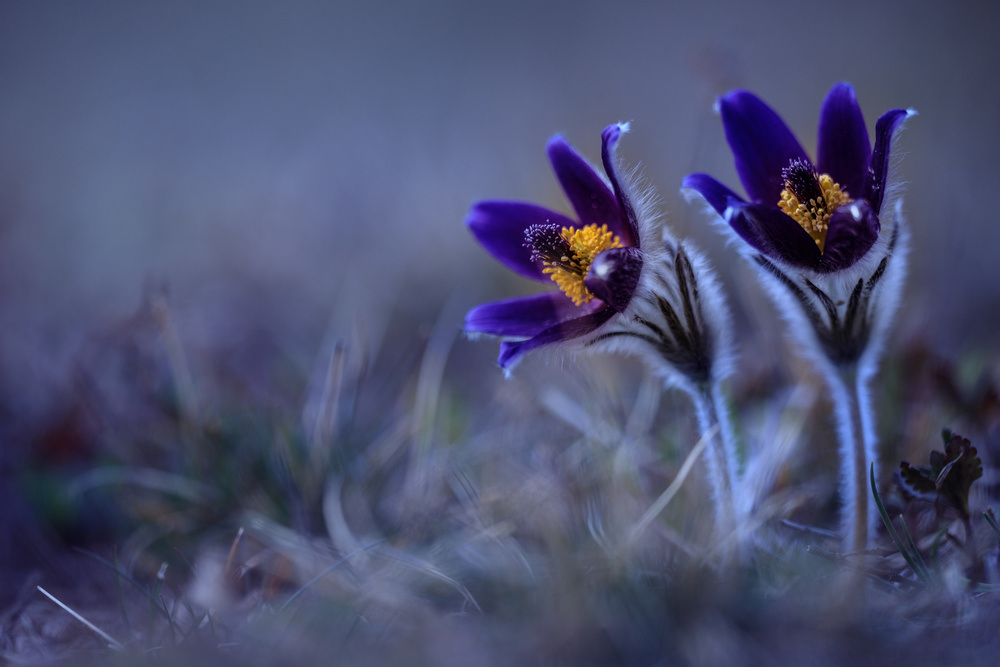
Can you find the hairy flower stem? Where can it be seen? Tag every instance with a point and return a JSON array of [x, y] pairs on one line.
[[710, 409], [855, 430]]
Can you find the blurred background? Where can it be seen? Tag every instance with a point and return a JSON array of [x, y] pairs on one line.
[[284, 175], [273, 163]]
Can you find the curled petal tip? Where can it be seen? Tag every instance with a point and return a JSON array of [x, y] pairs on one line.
[[612, 133], [629, 226], [615, 130]]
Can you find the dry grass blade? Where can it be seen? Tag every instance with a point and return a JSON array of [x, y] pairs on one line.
[[420, 565], [147, 478], [101, 633], [183, 377], [232, 550], [661, 503], [328, 570]]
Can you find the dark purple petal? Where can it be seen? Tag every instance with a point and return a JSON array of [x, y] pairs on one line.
[[762, 144], [592, 199], [773, 233], [875, 185], [609, 143], [613, 276], [511, 352], [499, 227], [525, 316], [844, 150], [852, 231], [716, 194]]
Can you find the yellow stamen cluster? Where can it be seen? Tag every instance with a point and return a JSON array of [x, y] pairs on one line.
[[570, 270], [814, 215]]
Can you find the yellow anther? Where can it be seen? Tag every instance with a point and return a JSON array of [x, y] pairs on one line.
[[570, 272], [814, 215]]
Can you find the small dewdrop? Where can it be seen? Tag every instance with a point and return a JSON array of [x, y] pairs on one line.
[[810, 199], [568, 254]]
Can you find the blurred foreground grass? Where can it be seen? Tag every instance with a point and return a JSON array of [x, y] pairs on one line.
[[373, 509]]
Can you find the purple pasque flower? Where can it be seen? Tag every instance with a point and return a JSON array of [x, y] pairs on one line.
[[831, 246], [821, 216], [594, 261]]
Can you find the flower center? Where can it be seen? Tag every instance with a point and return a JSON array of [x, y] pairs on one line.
[[810, 198], [567, 254]]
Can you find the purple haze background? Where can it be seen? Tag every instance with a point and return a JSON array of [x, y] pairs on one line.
[[288, 170]]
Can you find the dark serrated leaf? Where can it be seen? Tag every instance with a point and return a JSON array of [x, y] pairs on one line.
[[950, 474], [956, 477], [918, 478]]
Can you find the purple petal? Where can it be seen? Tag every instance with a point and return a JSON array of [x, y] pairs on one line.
[[844, 150], [499, 227], [609, 144], [511, 352], [525, 316], [613, 276], [592, 199], [762, 144], [773, 233], [715, 193], [884, 129], [853, 230]]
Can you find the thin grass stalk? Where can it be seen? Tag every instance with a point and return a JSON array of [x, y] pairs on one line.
[[112, 642], [668, 494], [917, 566]]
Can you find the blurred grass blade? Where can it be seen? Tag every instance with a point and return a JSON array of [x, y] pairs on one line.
[[328, 570], [924, 573], [147, 478], [668, 494], [892, 530], [114, 568], [992, 520], [427, 568]]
